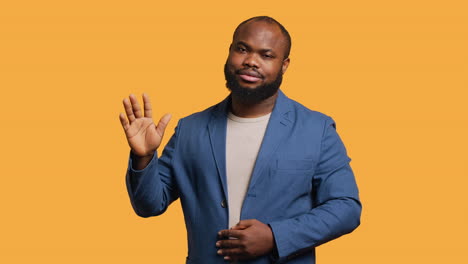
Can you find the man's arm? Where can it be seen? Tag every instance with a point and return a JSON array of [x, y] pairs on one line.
[[153, 188], [337, 208]]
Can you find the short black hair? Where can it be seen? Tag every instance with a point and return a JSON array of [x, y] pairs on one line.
[[271, 21]]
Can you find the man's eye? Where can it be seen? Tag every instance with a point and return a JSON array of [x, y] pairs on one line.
[[267, 56], [241, 49]]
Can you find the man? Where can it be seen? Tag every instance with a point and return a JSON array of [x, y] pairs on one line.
[[261, 178]]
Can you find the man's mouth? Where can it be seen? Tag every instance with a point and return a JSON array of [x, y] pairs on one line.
[[249, 75]]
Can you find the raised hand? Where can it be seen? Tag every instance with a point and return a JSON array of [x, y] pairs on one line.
[[143, 136]]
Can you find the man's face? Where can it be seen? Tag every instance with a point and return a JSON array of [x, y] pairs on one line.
[[256, 62]]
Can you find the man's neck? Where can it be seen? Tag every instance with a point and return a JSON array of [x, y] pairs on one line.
[[241, 109]]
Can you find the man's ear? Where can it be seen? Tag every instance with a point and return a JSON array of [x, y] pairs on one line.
[[285, 65]]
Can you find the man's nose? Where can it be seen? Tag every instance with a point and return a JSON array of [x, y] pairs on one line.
[[251, 60]]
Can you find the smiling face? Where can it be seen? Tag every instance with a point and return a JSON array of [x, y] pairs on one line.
[[256, 61]]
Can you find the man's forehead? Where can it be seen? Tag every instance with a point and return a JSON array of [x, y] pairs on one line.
[[260, 30]]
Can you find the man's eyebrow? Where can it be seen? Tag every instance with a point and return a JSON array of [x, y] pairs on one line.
[[240, 42], [267, 50], [243, 44]]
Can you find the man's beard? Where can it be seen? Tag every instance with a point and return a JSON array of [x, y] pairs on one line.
[[251, 96]]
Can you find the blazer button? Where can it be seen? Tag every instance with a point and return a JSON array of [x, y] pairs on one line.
[[223, 203]]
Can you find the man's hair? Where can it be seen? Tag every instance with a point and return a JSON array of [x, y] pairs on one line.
[[271, 21]]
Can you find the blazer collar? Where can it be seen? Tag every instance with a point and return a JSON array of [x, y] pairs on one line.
[[282, 107]]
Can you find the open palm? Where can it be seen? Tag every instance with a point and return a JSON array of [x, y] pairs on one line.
[[143, 136]]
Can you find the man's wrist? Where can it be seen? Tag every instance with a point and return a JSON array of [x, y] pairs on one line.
[[140, 162]]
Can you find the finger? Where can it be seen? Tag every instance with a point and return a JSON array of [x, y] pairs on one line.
[[163, 124], [229, 243], [135, 106], [147, 106], [128, 110], [231, 233], [231, 252], [123, 121], [235, 258]]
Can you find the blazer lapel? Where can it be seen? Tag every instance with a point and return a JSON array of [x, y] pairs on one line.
[[217, 133], [278, 127]]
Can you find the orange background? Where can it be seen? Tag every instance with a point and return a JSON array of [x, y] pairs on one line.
[[393, 74]]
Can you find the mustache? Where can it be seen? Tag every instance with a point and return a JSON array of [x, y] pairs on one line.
[[249, 71]]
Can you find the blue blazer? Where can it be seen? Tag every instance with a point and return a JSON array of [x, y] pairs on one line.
[[301, 185]]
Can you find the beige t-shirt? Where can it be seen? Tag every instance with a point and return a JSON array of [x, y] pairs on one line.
[[243, 139]]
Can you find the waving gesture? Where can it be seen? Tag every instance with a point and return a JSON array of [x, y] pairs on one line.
[[143, 136]]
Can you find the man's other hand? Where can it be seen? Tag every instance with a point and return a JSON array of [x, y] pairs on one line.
[[247, 240]]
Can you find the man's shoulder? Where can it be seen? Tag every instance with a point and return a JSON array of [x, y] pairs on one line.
[[304, 113]]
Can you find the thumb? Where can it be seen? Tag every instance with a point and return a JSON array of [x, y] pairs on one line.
[[243, 224], [162, 124], [238, 227]]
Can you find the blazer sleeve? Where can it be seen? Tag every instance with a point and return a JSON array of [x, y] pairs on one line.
[[153, 188], [336, 207]]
